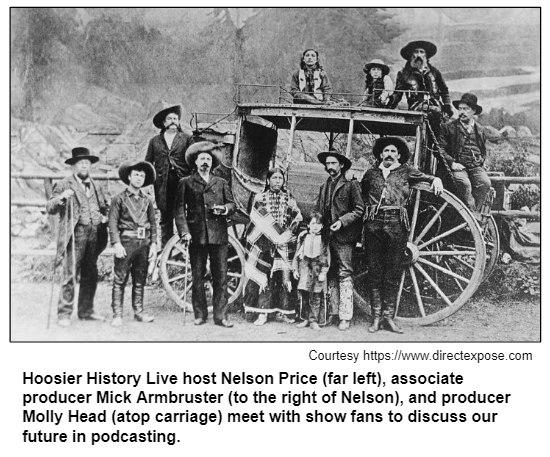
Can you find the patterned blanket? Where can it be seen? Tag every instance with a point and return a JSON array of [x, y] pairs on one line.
[[270, 242]]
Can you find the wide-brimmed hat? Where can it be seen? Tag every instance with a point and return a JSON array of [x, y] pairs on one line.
[[430, 48], [377, 63], [204, 146], [399, 143], [159, 118], [126, 168], [79, 154], [470, 100], [344, 161]]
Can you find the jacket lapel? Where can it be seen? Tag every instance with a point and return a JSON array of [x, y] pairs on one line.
[[339, 184], [76, 188]]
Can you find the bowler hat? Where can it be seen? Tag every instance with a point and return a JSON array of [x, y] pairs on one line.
[[344, 161], [430, 48], [159, 118], [377, 63], [79, 154], [470, 100], [126, 168], [399, 143], [204, 146]]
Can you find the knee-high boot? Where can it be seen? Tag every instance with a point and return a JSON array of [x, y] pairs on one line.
[[117, 299], [388, 315], [376, 307], [137, 304], [345, 310]]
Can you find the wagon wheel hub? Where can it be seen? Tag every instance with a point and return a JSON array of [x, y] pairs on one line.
[[411, 254]]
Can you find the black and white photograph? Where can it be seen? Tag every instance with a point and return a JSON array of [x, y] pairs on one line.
[[250, 174]]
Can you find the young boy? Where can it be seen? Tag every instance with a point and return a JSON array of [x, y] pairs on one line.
[[134, 236]]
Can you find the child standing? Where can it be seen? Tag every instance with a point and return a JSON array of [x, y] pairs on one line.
[[134, 236], [310, 266], [378, 84]]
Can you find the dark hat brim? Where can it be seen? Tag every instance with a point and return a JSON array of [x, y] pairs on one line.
[[385, 68], [73, 160], [399, 143], [159, 118], [346, 163], [204, 146], [126, 168], [478, 109], [430, 48]]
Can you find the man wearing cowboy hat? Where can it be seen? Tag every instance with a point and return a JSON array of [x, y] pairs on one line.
[[342, 207], [134, 236], [422, 82], [462, 144], [385, 190], [166, 152], [80, 195], [378, 84], [203, 203]]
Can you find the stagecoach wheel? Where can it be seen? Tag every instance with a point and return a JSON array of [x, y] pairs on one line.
[[492, 246], [444, 261], [173, 267]]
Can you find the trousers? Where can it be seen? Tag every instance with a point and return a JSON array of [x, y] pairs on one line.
[[198, 254], [85, 241], [472, 186]]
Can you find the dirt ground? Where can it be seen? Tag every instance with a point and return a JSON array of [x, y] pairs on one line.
[[478, 320]]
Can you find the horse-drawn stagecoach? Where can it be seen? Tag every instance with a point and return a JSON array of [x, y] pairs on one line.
[[449, 252]]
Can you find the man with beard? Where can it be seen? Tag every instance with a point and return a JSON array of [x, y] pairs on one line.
[[166, 152], [385, 190], [82, 209], [423, 84], [462, 143], [342, 208], [203, 203]]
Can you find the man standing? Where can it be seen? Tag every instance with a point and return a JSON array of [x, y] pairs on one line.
[[83, 209], [134, 236], [342, 208], [462, 144], [203, 203], [385, 190], [166, 152]]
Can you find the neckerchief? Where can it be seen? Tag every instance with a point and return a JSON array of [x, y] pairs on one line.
[[386, 170]]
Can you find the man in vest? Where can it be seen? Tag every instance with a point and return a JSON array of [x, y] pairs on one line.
[[166, 152], [342, 207], [462, 144], [83, 210]]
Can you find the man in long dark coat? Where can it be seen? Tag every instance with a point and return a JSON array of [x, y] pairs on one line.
[[166, 152], [342, 208], [83, 208], [203, 203]]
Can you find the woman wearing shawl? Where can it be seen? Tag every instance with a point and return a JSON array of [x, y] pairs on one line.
[[270, 247], [310, 84]]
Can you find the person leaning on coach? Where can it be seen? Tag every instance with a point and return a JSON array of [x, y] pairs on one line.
[[203, 203]]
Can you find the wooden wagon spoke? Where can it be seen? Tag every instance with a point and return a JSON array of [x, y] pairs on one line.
[[469, 248], [443, 235], [443, 270], [415, 215], [177, 278], [431, 223], [452, 253], [466, 264], [235, 257], [399, 292], [186, 291], [417, 293], [433, 284], [234, 275], [179, 248], [174, 262], [459, 285]]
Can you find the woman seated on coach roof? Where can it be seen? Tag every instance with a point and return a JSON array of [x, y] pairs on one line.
[[310, 84]]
